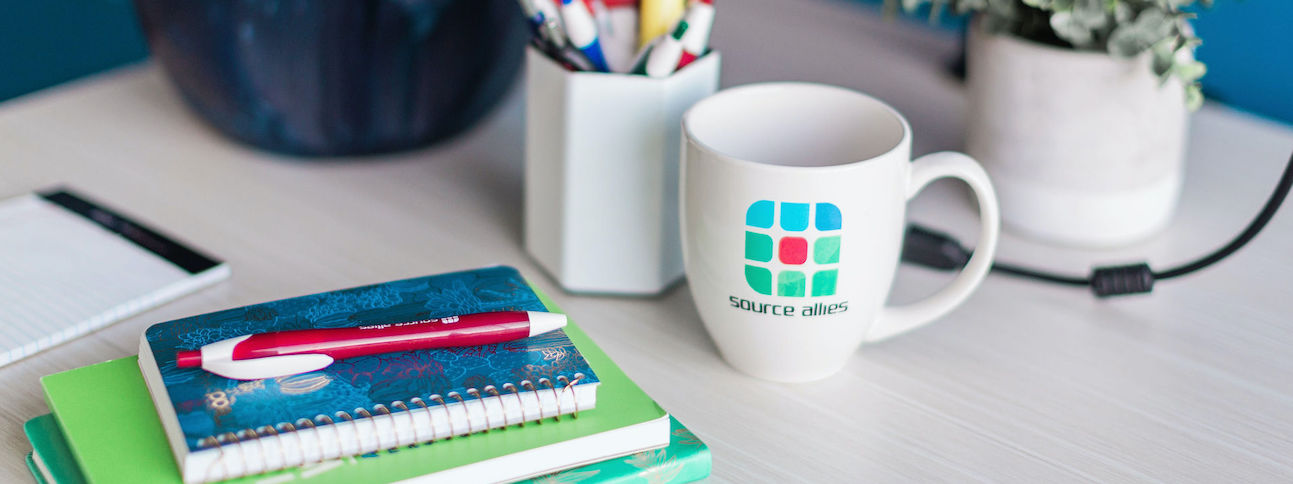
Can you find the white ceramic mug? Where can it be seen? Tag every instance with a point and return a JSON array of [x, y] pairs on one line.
[[793, 198]]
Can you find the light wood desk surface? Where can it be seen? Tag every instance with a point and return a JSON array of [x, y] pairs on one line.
[[1026, 382]]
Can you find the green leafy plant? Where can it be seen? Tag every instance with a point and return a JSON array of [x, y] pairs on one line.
[[1122, 28]]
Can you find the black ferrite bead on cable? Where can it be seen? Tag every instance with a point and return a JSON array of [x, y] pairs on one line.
[[1119, 280]]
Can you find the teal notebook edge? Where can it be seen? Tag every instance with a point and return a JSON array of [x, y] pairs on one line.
[[686, 459], [50, 445], [35, 471]]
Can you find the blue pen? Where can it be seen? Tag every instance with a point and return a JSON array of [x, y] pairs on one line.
[[532, 15], [582, 32], [546, 29]]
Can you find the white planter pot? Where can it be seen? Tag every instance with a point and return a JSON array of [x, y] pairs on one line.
[[1083, 148]]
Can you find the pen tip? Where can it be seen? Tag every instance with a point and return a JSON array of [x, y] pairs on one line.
[[541, 322]]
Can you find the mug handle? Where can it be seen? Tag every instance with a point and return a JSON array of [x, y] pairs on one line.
[[894, 320]]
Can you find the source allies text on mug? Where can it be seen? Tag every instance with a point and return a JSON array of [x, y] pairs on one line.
[[792, 249]]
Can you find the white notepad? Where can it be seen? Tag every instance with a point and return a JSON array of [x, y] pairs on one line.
[[69, 266]]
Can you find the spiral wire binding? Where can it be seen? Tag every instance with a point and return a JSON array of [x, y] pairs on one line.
[[221, 440], [447, 417], [466, 410], [382, 410], [260, 446], [430, 421], [377, 435], [555, 396], [485, 409], [212, 441], [493, 393], [288, 428], [412, 423], [328, 422], [229, 437], [529, 387], [272, 432], [359, 443], [281, 429], [568, 384], [308, 423], [519, 403]]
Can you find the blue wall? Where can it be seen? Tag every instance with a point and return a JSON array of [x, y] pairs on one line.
[[1248, 47], [44, 42]]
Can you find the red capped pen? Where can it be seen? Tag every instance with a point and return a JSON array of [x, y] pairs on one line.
[[268, 355], [700, 19]]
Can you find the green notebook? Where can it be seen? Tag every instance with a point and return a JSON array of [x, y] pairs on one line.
[[686, 459], [115, 435]]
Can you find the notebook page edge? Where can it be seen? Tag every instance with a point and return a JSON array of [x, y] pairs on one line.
[[331, 442], [653, 434], [162, 403]]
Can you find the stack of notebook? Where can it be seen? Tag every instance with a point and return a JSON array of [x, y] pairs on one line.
[[568, 413]]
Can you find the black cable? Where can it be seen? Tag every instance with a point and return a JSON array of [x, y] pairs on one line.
[[1034, 274], [940, 251], [1258, 223]]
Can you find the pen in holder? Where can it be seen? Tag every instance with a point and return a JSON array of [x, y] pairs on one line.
[[601, 173]]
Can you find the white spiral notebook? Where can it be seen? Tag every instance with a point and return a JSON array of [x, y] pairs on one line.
[[69, 266]]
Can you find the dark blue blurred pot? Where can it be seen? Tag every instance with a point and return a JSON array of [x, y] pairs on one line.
[[337, 77]]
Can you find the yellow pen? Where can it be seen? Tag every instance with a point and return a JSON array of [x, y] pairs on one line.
[[656, 18]]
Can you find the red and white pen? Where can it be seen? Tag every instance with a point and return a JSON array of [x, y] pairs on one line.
[[268, 355], [700, 19], [663, 58]]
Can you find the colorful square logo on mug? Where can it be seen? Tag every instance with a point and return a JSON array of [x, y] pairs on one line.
[[801, 259]]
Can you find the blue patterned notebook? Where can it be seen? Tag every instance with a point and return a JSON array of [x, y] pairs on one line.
[[363, 404]]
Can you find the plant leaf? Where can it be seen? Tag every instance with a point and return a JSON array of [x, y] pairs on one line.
[[1161, 65], [1193, 97], [1150, 27], [1122, 13], [1190, 71], [1090, 13], [1069, 28]]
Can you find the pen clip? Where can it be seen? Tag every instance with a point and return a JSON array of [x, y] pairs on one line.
[[268, 367]]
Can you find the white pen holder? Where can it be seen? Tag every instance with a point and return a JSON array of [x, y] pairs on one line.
[[601, 173]]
